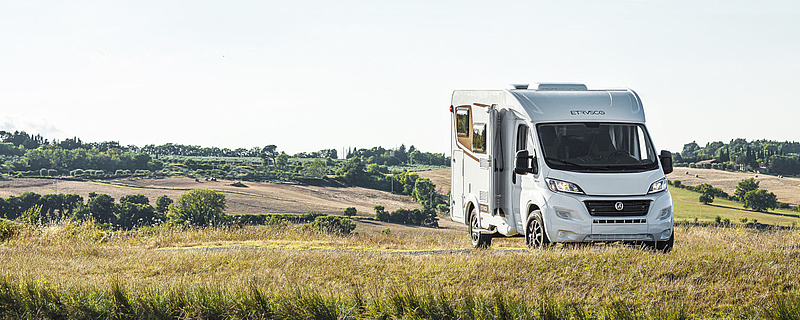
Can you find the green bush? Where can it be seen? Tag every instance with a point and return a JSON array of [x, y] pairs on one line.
[[332, 224], [8, 229], [351, 211], [199, 207]]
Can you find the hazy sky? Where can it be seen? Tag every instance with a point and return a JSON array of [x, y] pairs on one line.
[[308, 75]]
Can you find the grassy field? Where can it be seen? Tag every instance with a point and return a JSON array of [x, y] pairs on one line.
[[687, 208], [74, 270], [385, 271], [787, 189]]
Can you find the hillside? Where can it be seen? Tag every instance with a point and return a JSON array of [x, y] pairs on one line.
[[787, 189], [441, 178], [256, 198]]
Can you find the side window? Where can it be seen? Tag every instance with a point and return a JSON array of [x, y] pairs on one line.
[[479, 138], [522, 136], [462, 122]]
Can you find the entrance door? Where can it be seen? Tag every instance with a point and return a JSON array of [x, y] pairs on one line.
[[457, 187], [475, 133]]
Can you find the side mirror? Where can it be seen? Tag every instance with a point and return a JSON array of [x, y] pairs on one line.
[[524, 165], [666, 161]]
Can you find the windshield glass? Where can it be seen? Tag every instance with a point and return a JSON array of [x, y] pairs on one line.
[[593, 146]]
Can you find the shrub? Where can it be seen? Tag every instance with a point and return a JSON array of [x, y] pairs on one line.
[[8, 230], [332, 224], [381, 214], [351, 211], [199, 207]]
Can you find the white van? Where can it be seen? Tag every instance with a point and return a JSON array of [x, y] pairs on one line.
[[558, 163]]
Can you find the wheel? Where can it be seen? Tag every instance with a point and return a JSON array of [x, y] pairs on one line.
[[478, 239], [535, 237], [661, 246]]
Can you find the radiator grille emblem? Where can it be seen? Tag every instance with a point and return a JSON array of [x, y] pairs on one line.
[[619, 206]]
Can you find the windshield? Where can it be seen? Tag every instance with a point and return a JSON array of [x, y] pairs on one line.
[[592, 146]]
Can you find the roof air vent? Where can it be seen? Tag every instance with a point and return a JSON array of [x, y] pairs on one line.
[[520, 86], [562, 86]]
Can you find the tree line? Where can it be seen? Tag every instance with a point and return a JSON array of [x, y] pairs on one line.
[[776, 156], [198, 207]]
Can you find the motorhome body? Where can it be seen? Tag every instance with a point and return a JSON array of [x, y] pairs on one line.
[[557, 163]]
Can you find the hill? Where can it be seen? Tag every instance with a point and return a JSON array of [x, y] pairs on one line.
[[787, 189], [256, 198]]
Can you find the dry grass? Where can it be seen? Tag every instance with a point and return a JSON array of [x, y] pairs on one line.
[[712, 271], [257, 198]]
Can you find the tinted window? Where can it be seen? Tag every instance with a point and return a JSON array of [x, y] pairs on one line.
[[462, 122], [522, 136], [479, 138]]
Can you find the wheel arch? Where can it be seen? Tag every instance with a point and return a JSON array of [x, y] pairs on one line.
[[468, 212]]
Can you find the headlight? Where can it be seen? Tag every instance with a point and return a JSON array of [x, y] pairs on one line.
[[563, 186], [658, 186]]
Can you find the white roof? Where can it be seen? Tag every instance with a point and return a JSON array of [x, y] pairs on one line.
[[581, 105]]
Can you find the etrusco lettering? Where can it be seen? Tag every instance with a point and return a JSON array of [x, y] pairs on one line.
[[587, 112]]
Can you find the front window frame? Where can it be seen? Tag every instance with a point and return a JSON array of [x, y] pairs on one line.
[[604, 168]]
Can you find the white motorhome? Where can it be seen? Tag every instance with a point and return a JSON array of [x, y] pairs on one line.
[[558, 163]]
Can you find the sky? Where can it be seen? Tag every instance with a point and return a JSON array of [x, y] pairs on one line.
[[311, 75]]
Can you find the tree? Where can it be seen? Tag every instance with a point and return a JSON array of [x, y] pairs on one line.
[[101, 207], [424, 191], [351, 211], [316, 169], [199, 207], [268, 153], [135, 198], [282, 159], [352, 171], [745, 186], [706, 198], [131, 212], [381, 214], [162, 204], [760, 200]]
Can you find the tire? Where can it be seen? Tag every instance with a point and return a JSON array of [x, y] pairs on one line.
[[661, 246], [535, 236], [478, 239]]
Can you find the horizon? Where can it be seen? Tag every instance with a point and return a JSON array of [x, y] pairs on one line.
[[313, 75]]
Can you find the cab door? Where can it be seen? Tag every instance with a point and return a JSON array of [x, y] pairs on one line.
[[522, 135]]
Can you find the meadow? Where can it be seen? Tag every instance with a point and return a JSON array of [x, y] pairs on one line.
[[75, 270]]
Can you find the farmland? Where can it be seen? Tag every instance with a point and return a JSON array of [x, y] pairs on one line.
[[255, 198], [77, 270]]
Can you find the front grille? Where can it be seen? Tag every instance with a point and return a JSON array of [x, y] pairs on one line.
[[607, 208], [619, 221], [620, 237]]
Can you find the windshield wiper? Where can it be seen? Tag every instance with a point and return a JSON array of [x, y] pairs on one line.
[[564, 162]]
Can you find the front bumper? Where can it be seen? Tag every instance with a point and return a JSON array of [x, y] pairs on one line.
[[567, 219]]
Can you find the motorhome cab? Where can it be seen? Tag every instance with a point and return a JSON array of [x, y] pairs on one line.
[[558, 163]]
